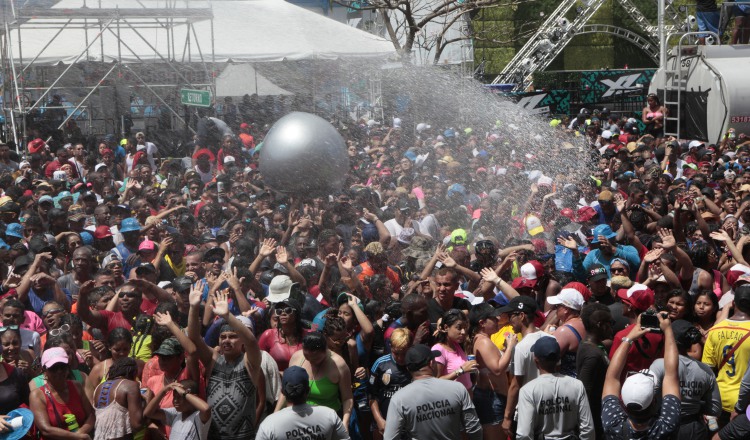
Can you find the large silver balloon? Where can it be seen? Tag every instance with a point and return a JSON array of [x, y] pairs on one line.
[[303, 154]]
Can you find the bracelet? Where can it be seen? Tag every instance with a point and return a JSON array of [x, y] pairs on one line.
[[459, 372], [628, 340]]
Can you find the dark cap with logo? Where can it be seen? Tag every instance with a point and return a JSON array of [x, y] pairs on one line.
[[522, 303], [597, 272]]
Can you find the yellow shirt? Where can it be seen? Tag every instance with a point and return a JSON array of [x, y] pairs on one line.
[[499, 338], [720, 340]]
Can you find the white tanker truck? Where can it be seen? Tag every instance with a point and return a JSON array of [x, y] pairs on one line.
[[706, 89]]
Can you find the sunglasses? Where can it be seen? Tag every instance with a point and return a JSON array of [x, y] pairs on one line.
[[65, 328], [617, 270], [8, 327], [52, 312], [284, 310], [214, 260], [129, 294]]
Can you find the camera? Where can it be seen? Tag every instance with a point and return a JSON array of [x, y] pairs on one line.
[[650, 321]]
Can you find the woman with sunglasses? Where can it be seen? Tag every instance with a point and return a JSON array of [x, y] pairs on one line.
[[330, 377], [491, 391], [21, 360], [60, 411], [285, 339], [66, 342]]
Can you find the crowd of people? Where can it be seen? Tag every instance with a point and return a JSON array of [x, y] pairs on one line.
[[460, 285]]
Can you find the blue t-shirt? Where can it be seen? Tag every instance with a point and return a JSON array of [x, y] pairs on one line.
[[37, 301]]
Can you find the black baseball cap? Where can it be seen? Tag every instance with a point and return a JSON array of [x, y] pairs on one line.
[[181, 284], [22, 263], [419, 356], [482, 311], [597, 272], [684, 332], [213, 253], [145, 268], [521, 303], [741, 295]]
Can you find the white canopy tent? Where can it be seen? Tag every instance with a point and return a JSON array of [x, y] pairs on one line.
[[243, 31], [241, 79]]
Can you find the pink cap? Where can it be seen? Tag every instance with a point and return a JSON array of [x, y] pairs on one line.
[[54, 355], [146, 245]]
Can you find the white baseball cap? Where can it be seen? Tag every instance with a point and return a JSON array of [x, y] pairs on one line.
[[570, 298], [638, 390]]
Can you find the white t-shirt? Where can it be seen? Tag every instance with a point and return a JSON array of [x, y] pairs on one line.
[[522, 363], [151, 150]]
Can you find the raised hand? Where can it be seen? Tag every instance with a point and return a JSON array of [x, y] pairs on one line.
[[231, 277], [720, 235], [352, 300], [221, 303], [162, 318], [447, 260], [653, 255], [369, 216], [268, 247], [281, 254], [568, 242], [168, 241], [440, 249], [346, 263], [667, 239], [196, 292], [489, 275]]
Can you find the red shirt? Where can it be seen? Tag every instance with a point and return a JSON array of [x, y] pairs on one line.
[[367, 271], [114, 320], [641, 353], [57, 410]]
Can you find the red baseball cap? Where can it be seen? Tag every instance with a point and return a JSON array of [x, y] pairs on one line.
[[579, 287], [586, 213], [639, 296], [36, 146], [567, 212], [735, 272], [523, 283], [204, 152], [102, 231]]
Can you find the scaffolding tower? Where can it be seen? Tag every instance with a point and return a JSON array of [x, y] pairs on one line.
[[572, 18], [96, 20]]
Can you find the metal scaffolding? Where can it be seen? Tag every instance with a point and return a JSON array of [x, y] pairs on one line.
[[25, 89]]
